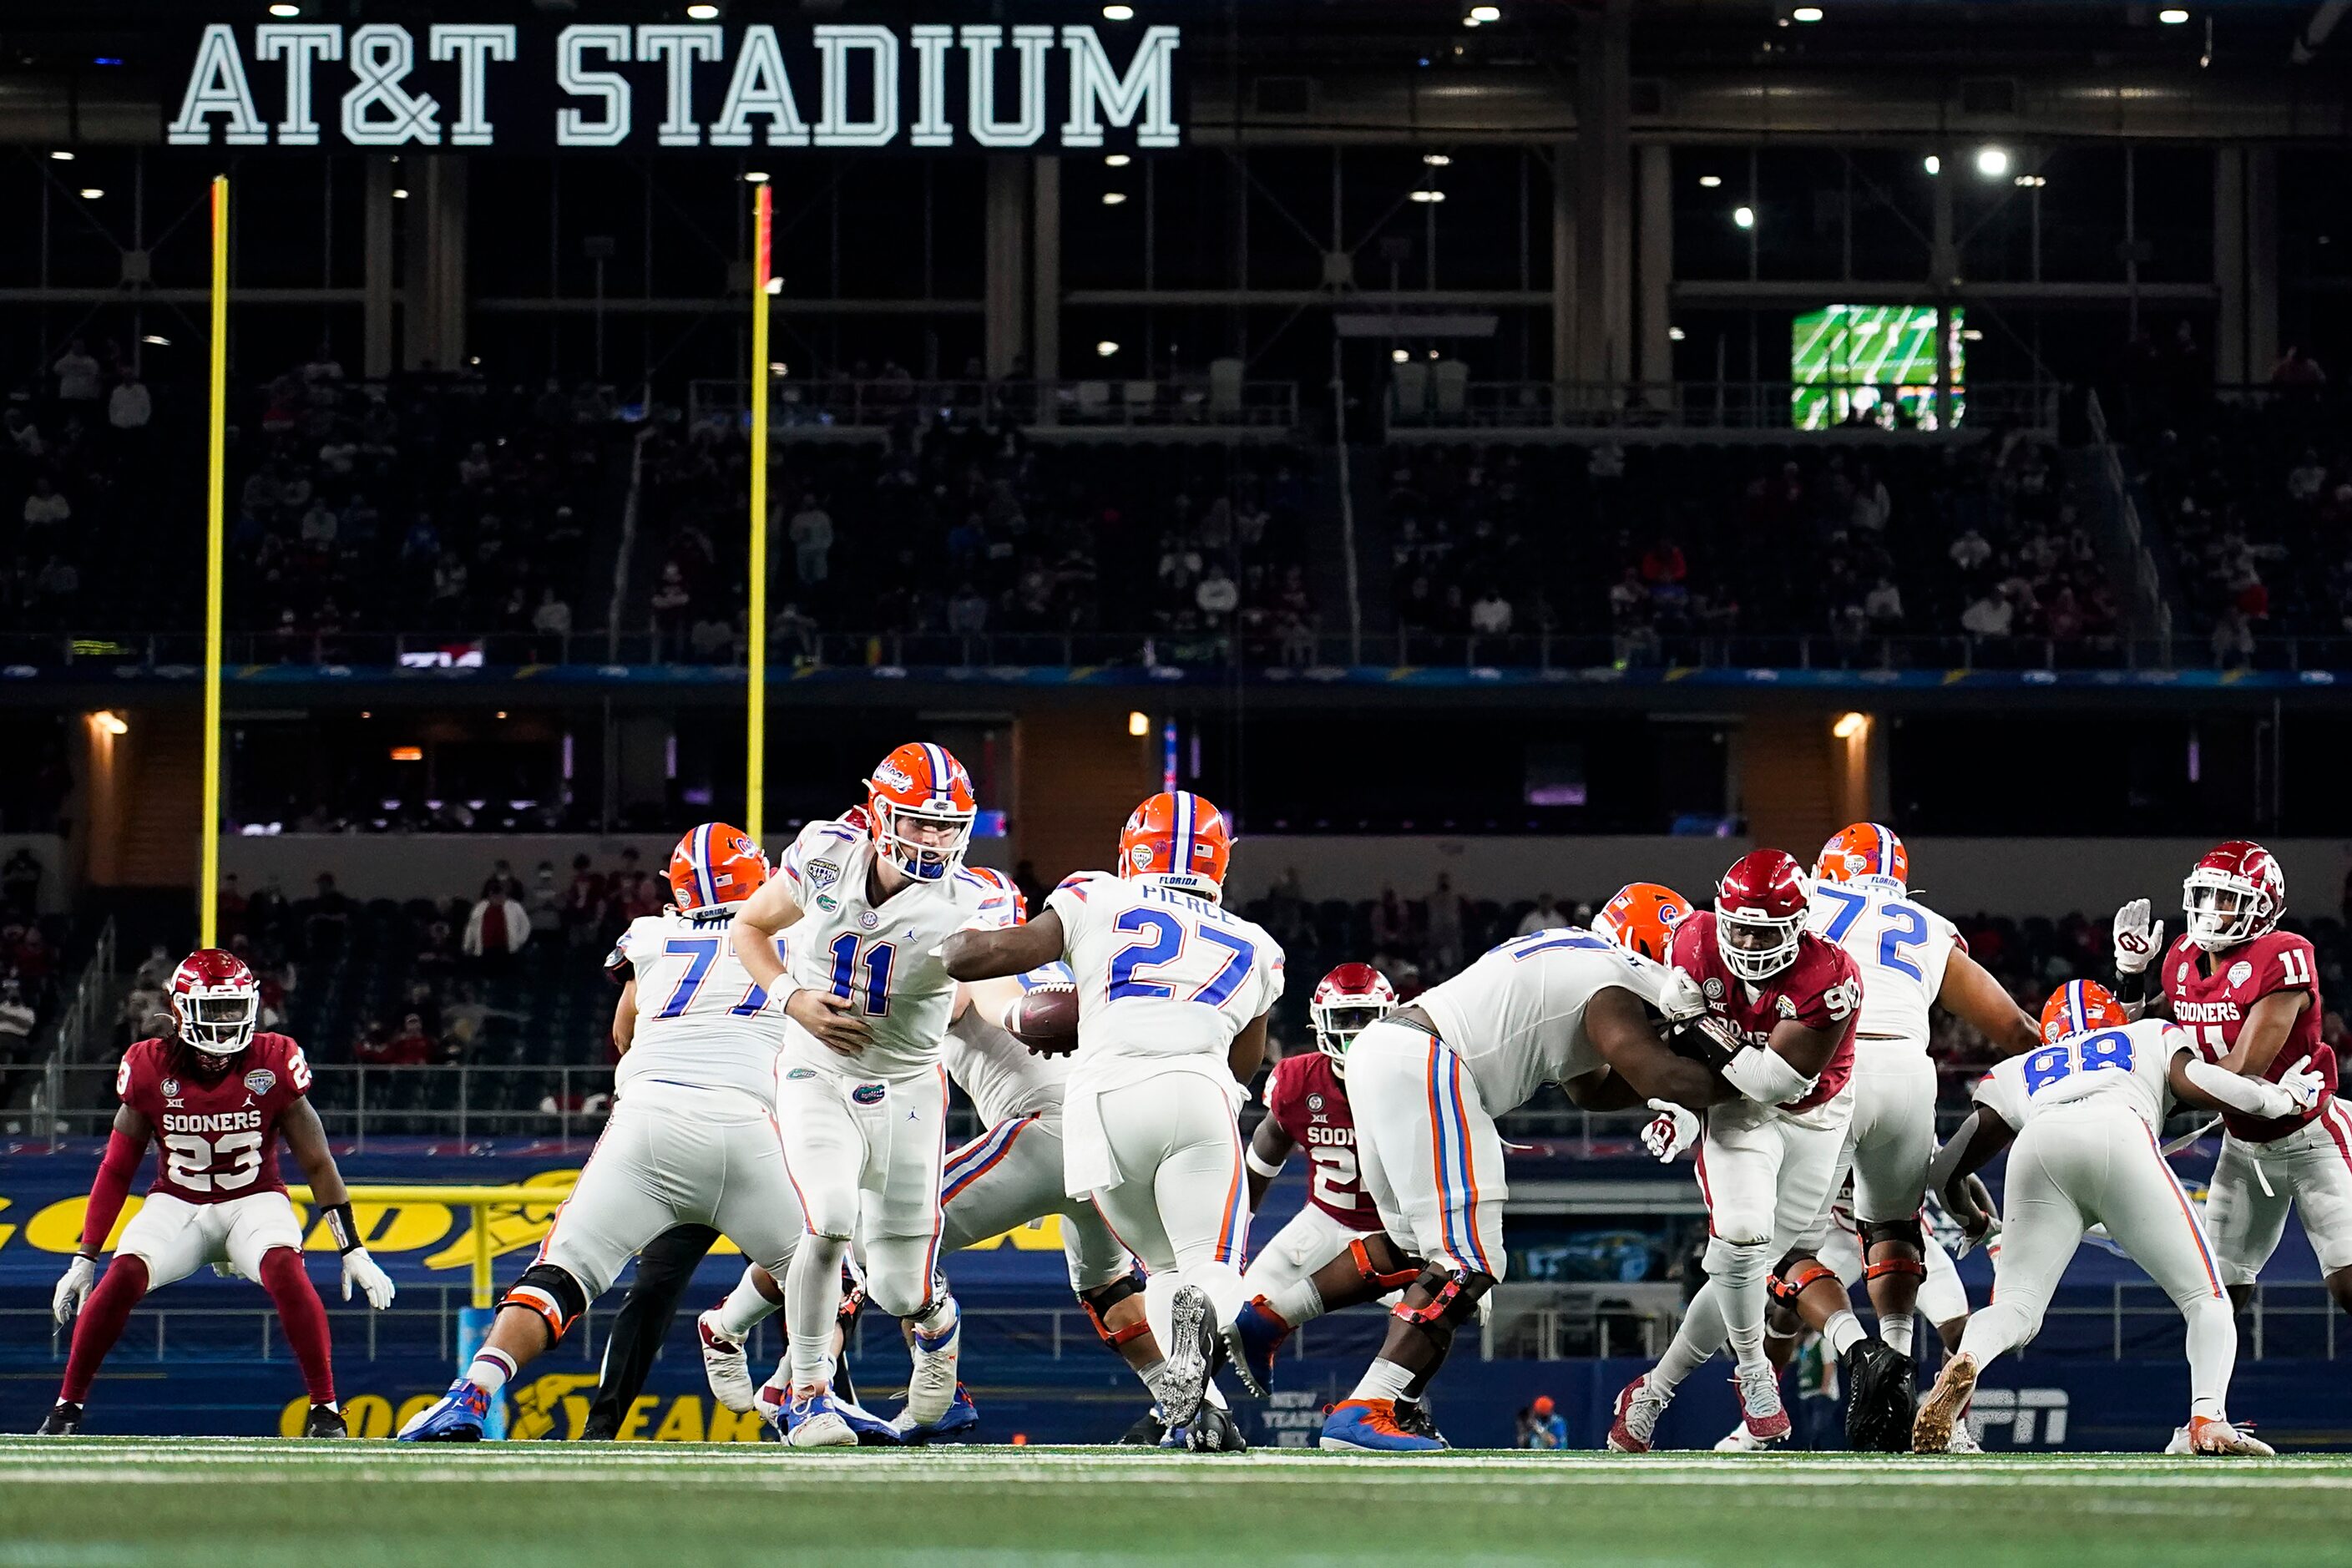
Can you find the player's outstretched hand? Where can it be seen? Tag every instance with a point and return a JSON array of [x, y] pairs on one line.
[[365, 1272], [2136, 939], [829, 1019], [1681, 1000], [73, 1289], [1672, 1131], [2302, 1086], [1969, 1202]]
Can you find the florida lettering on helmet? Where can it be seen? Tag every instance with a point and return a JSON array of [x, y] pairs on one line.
[[1179, 838], [216, 1001], [1760, 913], [715, 864], [1346, 1002], [1005, 885], [2234, 894], [1863, 850], [2078, 1007], [923, 808], [1641, 918]]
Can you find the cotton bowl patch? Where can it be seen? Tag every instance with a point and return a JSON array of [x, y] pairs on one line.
[[260, 1080]]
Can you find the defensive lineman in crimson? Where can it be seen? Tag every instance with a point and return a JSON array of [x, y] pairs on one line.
[[215, 1097], [2248, 993]]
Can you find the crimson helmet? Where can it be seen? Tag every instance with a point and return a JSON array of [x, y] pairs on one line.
[[715, 864], [216, 1001], [2234, 894], [1760, 913], [1348, 1000], [2078, 1007]]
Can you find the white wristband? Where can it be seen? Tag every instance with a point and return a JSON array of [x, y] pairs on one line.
[[1268, 1171], [782, 1000], [1760, 1074]]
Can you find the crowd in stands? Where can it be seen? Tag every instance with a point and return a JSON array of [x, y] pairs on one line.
[[954, 529], [83, 469], [30, 951], [1661, 545]]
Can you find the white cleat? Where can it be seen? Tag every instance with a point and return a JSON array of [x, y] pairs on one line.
[[2179, 1443], [725, 1367], [1963, 1439], [1741, 1441], [1639, 1404], [2219, 1437], [931, 1387], [812, 1422]]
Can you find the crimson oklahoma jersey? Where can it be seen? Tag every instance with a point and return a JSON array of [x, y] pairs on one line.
[[1820, 989], [219, 1135], [1307, 1100], [2214, 1007]]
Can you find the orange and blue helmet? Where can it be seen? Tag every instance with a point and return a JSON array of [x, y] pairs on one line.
[[1641, 918], [1006, 886], [923, 809], [715, 864], [1180, 838], [1862, 850], [2078, 1007]]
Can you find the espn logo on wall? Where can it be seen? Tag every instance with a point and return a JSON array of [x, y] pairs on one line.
[[2032, 1417]]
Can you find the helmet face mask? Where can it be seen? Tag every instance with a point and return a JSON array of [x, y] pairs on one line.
[[1760, 914], [926, 843], [1346, 1002], [1756, 947], [2233, 895], [215, 1002]]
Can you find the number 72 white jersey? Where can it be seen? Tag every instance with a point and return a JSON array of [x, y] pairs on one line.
[[1901, 946], [1161, 973]]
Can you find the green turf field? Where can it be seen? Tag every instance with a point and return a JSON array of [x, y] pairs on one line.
[[103, 1501]]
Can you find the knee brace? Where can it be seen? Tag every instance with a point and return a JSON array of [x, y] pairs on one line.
[[1906, 1231], [1371, 1274], [1098, 1302], [1454, 1299], [550, 1292], [1732, 1261], [1794, 1275]]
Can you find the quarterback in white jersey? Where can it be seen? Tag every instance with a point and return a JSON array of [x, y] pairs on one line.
[[862, 1091], [1426, 1083], [2082, 1114], [1174, 993], [1910, 959], [692, 1139]]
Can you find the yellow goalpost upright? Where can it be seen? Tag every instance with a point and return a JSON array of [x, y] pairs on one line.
[[755, 737], [215, 486]]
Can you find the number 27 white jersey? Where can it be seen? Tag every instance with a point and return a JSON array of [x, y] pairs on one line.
[[1161, 973]]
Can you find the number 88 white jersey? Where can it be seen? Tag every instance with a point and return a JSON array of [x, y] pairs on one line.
[[1901, 946], [1159, 972], [2131, 1065]]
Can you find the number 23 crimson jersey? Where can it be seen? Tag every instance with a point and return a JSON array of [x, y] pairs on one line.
[[1307, 1100], [1820, 989], [2213, 1008], [218, 1135]]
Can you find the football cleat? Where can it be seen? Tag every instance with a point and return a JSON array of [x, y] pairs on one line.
[[1213, 1431], [1370, 1426], [1946, 1406], [64, 1420], [1881, 1399], [962, 1417], [931, 1387], [1412, 1416], [325, 1421], [2216, 1437], [2180, 1443], [812, 1420], [455, 1417], [1758, 1387], [1193, 1349], [1147, 1431], [725, 1367], [1639, 1406], [1738, 1441], [1964, 1440], [1252, 1339]]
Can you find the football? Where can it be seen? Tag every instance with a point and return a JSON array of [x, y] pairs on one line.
[[1046, 1019]]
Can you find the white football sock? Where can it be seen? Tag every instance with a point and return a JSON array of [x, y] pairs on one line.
[[1297, 1302], [744, 1309], [1842, 1330], [813, 1296], [2213, 1355], [492, 1368], [1384, 1379], [1696, 1342], [1896, 1329]]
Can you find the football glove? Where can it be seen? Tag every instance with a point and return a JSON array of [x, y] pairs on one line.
[[361, 1270], [1978, 1228], [73, 1289], [2302, 1086], [1680, 1000], [1672, 1131], [2137, 939]]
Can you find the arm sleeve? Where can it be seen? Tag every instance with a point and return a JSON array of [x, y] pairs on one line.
[[106, 1193], [2251, 1096], [1765, 1077]]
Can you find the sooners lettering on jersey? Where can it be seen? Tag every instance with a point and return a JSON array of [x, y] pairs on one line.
[[2213, 1007], [1309, 1101], [1820, 989], [218, 1134]]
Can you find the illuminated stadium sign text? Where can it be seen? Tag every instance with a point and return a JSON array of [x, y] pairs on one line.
[[611, 84]]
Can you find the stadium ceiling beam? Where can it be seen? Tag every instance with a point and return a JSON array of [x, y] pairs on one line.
[[1352, 299], [625, 305], [1741, 294], [146, 296]]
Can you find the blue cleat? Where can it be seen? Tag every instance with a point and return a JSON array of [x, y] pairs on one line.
[[873, 1431], [457, 1417], [1370, 1426], [961, 1419], [1252, 1339]]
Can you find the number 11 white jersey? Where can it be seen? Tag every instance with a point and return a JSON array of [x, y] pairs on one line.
[[1159, 972]]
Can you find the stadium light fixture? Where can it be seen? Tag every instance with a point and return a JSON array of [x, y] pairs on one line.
[[106, 719], [1399, 355], [1117, 161], [1674, 334], [2032, 181], [703, 12], [1428, 195], [1467, 22], [1437, 160], [1992, 162], [2173, 16], [1849, 725], [400, 193], [408, 754], [283, 9], [1932, 163], [1119, 13], [1806, 13], [755, 176], [91, 193], [1139, 722], [1744, 217], [1710, 182], [158, 338], [61, 156], [1486, 13], [1105, 348], [1114, 198], [775, 285]]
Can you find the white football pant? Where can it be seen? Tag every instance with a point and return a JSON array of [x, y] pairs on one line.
[[2310, 1168]]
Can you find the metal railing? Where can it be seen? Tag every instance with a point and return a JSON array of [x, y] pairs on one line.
[[799, 409], [1418, 403], [84, 1016], [2146, 580]]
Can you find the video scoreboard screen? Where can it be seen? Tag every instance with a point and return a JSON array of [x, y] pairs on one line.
[[1873, 364]]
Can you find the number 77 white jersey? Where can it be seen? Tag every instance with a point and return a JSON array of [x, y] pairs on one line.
[[1159, 972], [1901, 946], [701, 1019]]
